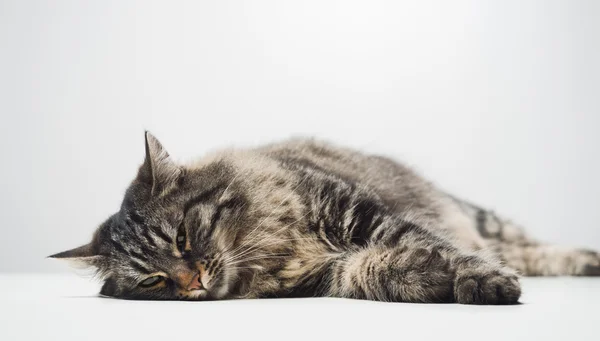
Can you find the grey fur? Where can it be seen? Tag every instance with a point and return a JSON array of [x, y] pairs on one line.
[[304, 218]]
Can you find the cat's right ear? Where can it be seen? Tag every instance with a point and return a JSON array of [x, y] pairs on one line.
[[80, 256]]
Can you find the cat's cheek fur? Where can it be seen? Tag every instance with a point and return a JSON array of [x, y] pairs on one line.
[[223, 289]]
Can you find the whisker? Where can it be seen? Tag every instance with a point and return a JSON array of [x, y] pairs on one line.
[[243, 268], [230, 183], [240, 257], [260, 257], [243, 251], [273, 242], [258, 244], [287, 197]]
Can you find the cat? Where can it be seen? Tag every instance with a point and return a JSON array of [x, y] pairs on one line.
[[304, 218]]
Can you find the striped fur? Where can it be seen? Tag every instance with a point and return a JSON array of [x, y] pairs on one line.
[[303, 218]]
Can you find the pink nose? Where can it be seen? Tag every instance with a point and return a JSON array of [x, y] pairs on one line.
[[195, 284]]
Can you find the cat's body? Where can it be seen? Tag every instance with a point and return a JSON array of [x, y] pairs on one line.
[[304, 218]]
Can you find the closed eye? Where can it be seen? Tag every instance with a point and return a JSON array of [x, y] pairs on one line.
[[151, 281]]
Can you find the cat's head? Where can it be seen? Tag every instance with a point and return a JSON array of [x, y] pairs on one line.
[[175, 234]]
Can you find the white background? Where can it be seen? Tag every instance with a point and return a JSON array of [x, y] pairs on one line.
[[64, 308], [496, 101]]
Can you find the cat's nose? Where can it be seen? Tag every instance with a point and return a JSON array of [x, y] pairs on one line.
[[195, 284], [186, 278]]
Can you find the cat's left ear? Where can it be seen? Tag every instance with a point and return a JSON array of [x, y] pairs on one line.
[[83, 255], [159, 171]]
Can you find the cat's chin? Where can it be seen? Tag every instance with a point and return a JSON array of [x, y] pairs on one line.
[[197, 295]]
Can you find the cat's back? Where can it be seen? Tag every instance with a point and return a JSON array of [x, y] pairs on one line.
[[330, 158], [398, 185]]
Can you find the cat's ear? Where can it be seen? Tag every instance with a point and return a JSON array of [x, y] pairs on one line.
[[83, 256], [159, 171]]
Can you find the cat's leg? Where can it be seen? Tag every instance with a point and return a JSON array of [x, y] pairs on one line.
[[534, 259], [531, 257], [482, 229], [475, 227], [412, 264]]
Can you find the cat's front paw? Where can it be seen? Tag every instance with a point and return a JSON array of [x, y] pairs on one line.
[[486, 287]]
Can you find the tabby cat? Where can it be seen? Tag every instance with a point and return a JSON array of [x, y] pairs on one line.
[[304, 218]]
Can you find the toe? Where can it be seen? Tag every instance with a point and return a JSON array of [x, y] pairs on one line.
[[490, 288]]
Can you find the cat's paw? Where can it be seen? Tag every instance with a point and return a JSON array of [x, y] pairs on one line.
[[486, 287]]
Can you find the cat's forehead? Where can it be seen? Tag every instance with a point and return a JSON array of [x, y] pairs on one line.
[[140, 210], [125, 230]]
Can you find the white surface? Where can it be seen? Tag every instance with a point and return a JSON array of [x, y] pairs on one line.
[[497, 101], [65, 307]]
